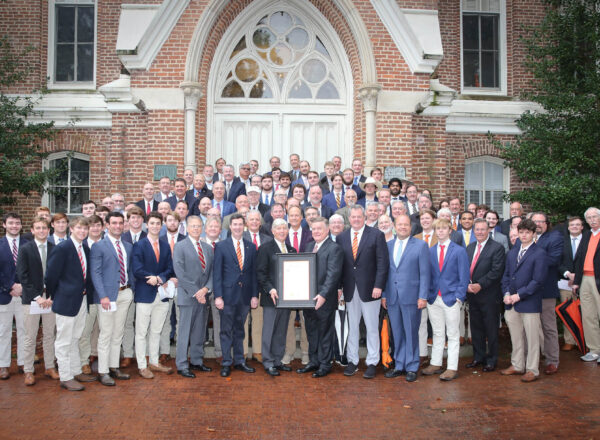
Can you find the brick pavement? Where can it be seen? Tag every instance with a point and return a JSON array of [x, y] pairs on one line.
[[292, 406]]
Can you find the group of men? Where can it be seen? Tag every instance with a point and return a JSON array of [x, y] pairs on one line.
[[108, 284]]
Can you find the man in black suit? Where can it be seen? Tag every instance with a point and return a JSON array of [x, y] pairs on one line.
[[348, 178], [365, 269], [315, 196], [319, 322], [180, 194], [275, 320], [31, 267], [233, 186], [199, 189], [515, 210], [147, 204], [484, 293]]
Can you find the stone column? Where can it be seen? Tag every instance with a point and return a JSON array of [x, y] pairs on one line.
[[368, 95], [192, 92]]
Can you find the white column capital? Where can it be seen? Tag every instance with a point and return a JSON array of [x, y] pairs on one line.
[[368, 94], [192, 93]]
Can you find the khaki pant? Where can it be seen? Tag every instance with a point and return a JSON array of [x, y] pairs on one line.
[[68, 332], [590, 313], [32, 326], [290, 342], [88, 344], [256, 316], [150, 319], [112, 325], [528, 324], [14, 309], [445, 322], [564, 296]]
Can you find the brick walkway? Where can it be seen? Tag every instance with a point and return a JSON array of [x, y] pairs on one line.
[[292, 406]]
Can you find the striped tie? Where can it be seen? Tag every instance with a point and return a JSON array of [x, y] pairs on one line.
[[81, 261], [355, 245], [337, 199], [15, 250], [122, 277], [201, 255], [238, 252]]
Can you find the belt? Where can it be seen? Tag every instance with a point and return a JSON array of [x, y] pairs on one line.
[[588, 273], [125, 287]]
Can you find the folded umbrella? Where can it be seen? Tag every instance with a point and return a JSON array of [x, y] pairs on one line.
[[386, 359], [570, 314], [341, 327]]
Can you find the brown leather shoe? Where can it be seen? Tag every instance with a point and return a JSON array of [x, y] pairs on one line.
[[164, 358], [115, 373], [86, 369], [431, 370], [4, 374], [146, 373], [161, 368], [29, 379], [551, 369], [567, 347], [449, 375], [83, 377], [423, 361], [125, 362], [52, 374], [510, 371], [72, 385], [529, 377]]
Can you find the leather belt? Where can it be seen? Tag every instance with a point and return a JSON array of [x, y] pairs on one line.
[[125, 287]]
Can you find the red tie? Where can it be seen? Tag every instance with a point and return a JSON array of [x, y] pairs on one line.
[[441, 260], [254, 241], [213, 245], [474, 262], [296, 242], [201, 255], [147, 208]]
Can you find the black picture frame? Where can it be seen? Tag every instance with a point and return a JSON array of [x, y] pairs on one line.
[[303, 269]]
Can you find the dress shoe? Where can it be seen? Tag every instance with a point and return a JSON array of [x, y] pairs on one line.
[[245, 368], [257, 357], [29, 379], [4, 374], [488, 368], [474, 364], [272, 371], [567, 347], [370, 372], [282, 367], [105, 379], [351, 369], [411, 376], [551, 369], [52, 373], [146, 373], [86, 378], [186, 373], [200, 367], [86, 369], [431, 370], [160, 368], [529, 377], [321, 372], [72, 385], [393, 373], [510, 371], [225, 371], [164, 358], [449, 375], [307, 369], [125, 362], [115, 373]]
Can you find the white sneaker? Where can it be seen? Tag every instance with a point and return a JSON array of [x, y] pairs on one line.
[[590, 357]]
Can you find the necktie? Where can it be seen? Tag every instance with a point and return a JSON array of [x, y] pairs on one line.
[[283, 248], [122, 277], [316, 248], [213, 245], [414, 208], [492, 234], [267, 199], [238, 252], [574, 246], [15, 250], [134, 238], [81, 261], [355, 245], [427, 239], [147, 208], [60, 240], [441, 262], [254, 241], [43, 249], [296, 246], [276, 186], [356, 181], [337, 199], [474, 262], [181, 229], [201, 255], [521, 254], [172, 243], [156, 251], [467, 237], [219, 206], [398, 253], [228, 188], [454, 226]]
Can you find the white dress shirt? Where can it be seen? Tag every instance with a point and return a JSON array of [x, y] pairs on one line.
[[360, 233]]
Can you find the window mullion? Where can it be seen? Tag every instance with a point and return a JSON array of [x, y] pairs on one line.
[[75, 43], [69, 187]]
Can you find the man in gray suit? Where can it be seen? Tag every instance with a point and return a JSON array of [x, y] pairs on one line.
[[492, 218], [193, 263]]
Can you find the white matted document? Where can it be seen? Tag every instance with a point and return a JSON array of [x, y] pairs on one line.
[[296, 280]]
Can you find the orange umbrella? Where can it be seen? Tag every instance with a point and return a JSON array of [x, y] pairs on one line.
[[570, 314], [386, 359]]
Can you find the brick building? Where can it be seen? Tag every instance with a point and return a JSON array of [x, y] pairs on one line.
[[415, 84]]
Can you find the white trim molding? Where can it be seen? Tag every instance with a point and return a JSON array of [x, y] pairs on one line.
[[72, 110]]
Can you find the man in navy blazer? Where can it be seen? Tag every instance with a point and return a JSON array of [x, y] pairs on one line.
[[152, 266], [236, 290], [405, 295], [364, 274], [233, 186], [68, 282], [522, 285], [181, 194], [449, 281], [10, 293], [225, 207], [552, 243], [112, 276]]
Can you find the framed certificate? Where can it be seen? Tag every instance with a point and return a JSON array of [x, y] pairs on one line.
[[296, 280]]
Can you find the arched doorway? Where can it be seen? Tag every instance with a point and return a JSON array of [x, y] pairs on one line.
[[280, 82]]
